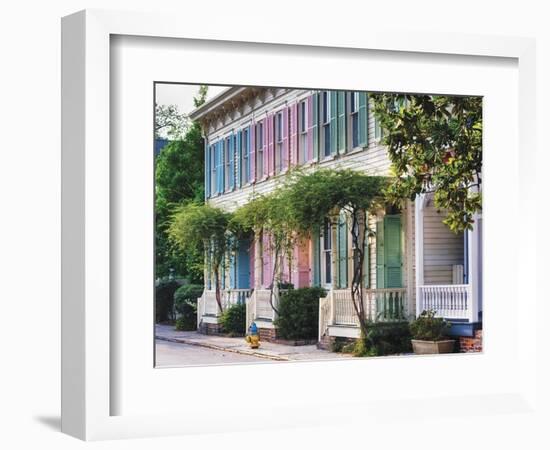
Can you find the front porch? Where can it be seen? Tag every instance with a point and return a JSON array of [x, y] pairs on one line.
[[448, 269]]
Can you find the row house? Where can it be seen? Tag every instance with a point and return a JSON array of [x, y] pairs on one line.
[[253, 137]]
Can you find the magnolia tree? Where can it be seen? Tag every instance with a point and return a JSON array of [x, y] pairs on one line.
[[195, 224], [435, 145], [270, 218]]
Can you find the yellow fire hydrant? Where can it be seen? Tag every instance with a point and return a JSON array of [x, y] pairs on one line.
[[253, 337]]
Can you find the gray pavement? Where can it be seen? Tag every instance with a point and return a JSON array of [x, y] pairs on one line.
[[203, 349], [173, 354]]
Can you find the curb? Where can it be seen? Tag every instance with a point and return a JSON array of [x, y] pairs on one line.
[[224, 349]]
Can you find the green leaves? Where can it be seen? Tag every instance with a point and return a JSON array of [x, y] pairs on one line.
[[435, 145]]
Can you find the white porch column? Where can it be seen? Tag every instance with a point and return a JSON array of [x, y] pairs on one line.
[[258, 266], [473, 270], [409, 243], [419, 249]]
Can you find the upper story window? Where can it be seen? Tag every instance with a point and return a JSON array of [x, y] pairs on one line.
[[325, 130], [245, 150], [302, 128], [278, 142], [259, 150], [354, 119]]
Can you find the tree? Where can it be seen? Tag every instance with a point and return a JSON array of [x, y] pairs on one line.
[[435, 145], [271, 216], [179, 178], [323, 194], [194, 225], [169, 121]]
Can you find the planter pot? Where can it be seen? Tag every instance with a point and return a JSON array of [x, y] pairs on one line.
[[432, 347]]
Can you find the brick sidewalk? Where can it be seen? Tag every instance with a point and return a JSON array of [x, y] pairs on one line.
[[267, 350]]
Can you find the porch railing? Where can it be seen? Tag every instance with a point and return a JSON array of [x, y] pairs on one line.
[[208, 306], [380, 305], [258, 306], [452, 301]]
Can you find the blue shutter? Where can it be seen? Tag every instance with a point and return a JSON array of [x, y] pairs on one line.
[[231, 162], [222, 151], [363, 119], [243, 264], [206, 170], [232, 268], [239, 157], [219, 168]]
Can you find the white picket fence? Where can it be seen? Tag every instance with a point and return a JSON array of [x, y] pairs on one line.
[[208, 306]]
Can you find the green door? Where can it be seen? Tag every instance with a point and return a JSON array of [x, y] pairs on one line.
[[389, 255]]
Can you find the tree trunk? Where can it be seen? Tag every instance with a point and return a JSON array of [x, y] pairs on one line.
[[358, 233], [218, 290]]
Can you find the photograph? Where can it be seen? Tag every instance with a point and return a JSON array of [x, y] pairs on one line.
[[310, 224]]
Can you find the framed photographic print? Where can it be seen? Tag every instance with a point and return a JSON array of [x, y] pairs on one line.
[[262, 232]]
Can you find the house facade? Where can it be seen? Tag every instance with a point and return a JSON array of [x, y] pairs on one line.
[[253, 137]]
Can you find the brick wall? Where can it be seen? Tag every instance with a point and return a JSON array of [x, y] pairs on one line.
[[210, 328], [471, 344]]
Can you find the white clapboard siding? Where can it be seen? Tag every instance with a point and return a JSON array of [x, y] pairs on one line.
[[442, 248]]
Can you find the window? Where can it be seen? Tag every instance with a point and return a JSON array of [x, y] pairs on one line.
[[354, 119], [244, 156], [302, 126], [326, 264], [325, 132], [227, 160], [259, 130], [278, 142]]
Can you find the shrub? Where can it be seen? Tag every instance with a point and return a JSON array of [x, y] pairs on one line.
[[299, 313], [384, 338], [427, 327], [233, 320], [164, 300], [188, 292], [185, 299]]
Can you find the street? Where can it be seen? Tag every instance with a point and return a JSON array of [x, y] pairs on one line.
[[174, 354]]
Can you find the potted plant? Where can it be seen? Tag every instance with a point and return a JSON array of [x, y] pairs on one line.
[[429, 335]]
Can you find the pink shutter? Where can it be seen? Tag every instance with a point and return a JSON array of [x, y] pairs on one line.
[[252, 155], [294, 135], [285, 138], [270, 144], [264, 147], [309, 128], [300, 261]]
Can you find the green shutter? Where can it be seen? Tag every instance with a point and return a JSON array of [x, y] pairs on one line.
[[342, 252], [380, 264], [316, 257], [393, 251], [315, 119], [363, 119], [341, 122], [333, 122]]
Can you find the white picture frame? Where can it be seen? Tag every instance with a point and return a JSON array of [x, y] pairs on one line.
[[94, 342]]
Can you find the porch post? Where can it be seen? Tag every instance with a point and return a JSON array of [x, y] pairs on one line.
[[258, 266], [408, 257], [473, 270], [334, 216], [419, 249]]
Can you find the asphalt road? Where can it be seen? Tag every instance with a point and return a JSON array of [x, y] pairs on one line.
[[173, 354]]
